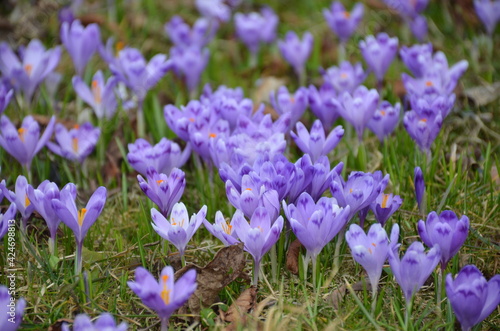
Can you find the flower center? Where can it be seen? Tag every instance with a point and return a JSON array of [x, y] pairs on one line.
[[191, 119], [384, 201], [344, 75], [81, 216], [21, 132], [28, 68], [423, 120], [181, 223], [429, 83], [346, 14], [382, 113], [212, 135], [96, 91], [159, 181], [165, 292], [292, 100], [27, 201], [119, 46], [227, 228]]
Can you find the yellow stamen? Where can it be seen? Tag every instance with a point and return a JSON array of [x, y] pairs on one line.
[[347, 14], [96, 91], [428, 83], [75, 144], [384, 200], [28, 68], [350, 190], [81, 215], [27, 201], [21, 132], [119, 46], [165, 292], [227, 228], [212, 135]]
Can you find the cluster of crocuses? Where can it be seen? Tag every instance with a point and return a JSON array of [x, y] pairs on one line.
[[247, 147]]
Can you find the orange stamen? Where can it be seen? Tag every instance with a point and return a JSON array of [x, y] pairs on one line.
[[159, 181], [347, 14], [370, 250], [227, 228], [423, 120], [28, 68], [165, 292], [27, 201], [212, 135], [292, 100], [191, 119], [350, 190], [343, 75], [382, 113], [96, 91], [384, 200], [21, 132], [81, 215], [75, 144], [428, 83], [248, 189], [374, 245], [119, 46], [76, 126]]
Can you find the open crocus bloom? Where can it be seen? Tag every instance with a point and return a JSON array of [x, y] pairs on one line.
[[222, 230], [104, 322], [163, 296], [100, 95], [75, 144]]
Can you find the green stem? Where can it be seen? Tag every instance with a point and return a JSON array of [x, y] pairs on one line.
[[336, 255], [314, 271], [78, 258], [256, 270], [274, 264], [407, 314]]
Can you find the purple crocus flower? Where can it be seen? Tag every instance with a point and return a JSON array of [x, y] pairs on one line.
[[321, 105], [258, 236], [342, 22], [24, 143], [105, 321], [418, 26], [140, 76], [80, 42], [285, 102], [41, 199], [422, 130], [5, 218], [408, 8], [379, 53], [358, 108], [414, 268], [5, 95], [417, 58], [164, 190], [189, 63], [163, 157], [19, 197], [315, 224], [204, 131], [79, 221], [344, 78], [233, 109], [471, 296], [11, 312], [446, 230], [315, 143], [371, 250], [385, 120], [359, 191], [254, 28], [384, 206], [419, 183], [296, 51], [183, 36], [488, 12], [428, 106], [75, 144], [28, 70], [223, 230], [253, 194], [179, 120], [100, 96], [163, 296], [214, 9], [179, 229]]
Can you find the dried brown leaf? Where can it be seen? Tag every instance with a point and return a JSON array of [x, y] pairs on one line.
[[227, 266], [483, 95], [338, 295], [292, 257], [242, 305], [57, 326]]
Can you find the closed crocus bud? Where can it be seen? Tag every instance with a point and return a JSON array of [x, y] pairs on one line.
[[256, 28], [184, 36], [5, 218], [100, 96], [343, 22], [293, 103], [419, 183], [413, 269], [488, 12], [5, 95], [321, 105], [447, 230], [379, 53], [80, 42], [385, 120], [384, 206], [189, 63], [296, 51], [215, 10], [418, 26], [416, 58], [472, 298], [104, 322]]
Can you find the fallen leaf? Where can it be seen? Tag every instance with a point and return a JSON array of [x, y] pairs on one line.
[[242, 306], [483, 95], [292, 257], [226, 267], [338, 295]]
